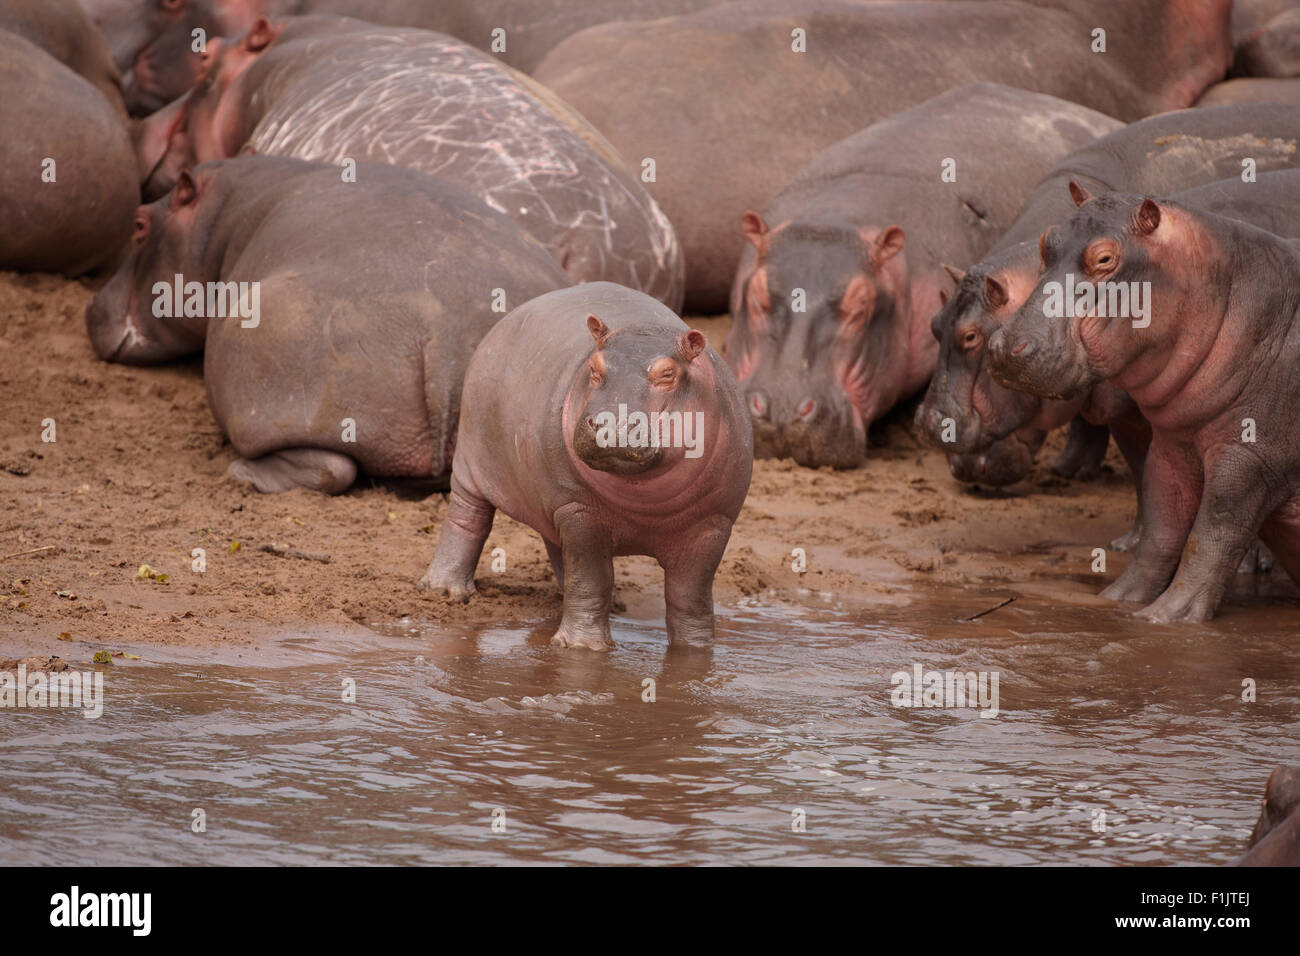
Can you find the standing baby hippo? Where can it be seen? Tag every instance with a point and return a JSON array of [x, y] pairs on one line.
[[635, 441], [1197, 317]]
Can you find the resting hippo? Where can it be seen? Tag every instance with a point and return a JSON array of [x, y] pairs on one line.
[[363, 304], [833, 296], [62, 29], [730, 76], [1164, 154], [1275, 841], [1273, 50], [74, 215], [330, 89], [1252, 90], [154, 40], [1198, 322], [992, 433], [582, 456]]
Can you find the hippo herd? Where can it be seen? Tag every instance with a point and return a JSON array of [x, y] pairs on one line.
[[452, 241]]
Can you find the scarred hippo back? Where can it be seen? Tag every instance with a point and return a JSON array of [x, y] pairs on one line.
[[330, 89], [1165, 154]]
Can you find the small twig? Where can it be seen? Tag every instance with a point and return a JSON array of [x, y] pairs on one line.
[[284, 551], [973, 617], [19, 554]]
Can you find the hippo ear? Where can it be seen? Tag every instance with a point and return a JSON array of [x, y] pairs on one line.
[[260, 37], [689, 345], [184, 192], [1147, 218], [995, 296], [1042, 243], [1079, 194], [955, 274], [886, 245], [598, 329], [754, 228], [943, 297]]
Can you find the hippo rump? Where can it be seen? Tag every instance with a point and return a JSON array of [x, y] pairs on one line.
[[1210, 359], [62, 29], [833, 296], [336, 318], [1275, 841], [1162, 155], [732, 76], [636, 443], [333, 89], [70, 178], [154, 40]]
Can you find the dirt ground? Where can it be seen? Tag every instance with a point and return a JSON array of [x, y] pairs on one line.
[[135, 477]]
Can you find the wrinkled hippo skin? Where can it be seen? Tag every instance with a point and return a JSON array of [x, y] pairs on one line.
[[62, 29], [1197, 374], [372, 297], [728, 77], [863, 234], [1162, 155], [541, 451], [82, 220], [331, 89], [1275, 841]]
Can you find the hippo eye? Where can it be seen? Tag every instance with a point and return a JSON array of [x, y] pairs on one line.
[[971, 339]]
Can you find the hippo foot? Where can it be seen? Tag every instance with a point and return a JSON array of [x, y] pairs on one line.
[[311, 468], [1128, 540], [585, 638], [1130, 589], [455, 591], [1179, 606], [1258, 560]]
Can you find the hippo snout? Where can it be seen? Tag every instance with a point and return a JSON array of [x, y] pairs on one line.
[[616, 459]]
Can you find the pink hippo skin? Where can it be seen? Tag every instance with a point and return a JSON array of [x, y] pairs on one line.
[[530, 445], [331, 89], [1222, 346]]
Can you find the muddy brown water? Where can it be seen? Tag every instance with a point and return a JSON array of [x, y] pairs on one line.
[[789, 715]]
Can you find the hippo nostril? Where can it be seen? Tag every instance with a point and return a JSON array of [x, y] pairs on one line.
[[807, 409], [758, 404], [1020, 348]]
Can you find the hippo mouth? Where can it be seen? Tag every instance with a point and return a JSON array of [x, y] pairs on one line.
[[621, 461], [1005, 462]]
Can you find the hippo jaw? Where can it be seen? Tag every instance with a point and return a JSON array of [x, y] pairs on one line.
[[612, 459], [1002, 463]]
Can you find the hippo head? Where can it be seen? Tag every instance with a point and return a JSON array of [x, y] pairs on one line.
[[1004, 462], [812, 338], [635, 403], [1281, 799], [965, 410], [206, 123], [1090, 315], [122, 319], [165, 63]]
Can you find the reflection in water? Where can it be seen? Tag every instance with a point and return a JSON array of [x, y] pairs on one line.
[[791, 711]]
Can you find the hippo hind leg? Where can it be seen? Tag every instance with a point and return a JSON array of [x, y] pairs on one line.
[[289, 468], [464, 532]]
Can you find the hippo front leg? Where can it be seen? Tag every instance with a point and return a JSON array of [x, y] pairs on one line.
[[1235, 502], [1166, 510], [588, 579], [289, 468], [1084, 451], [464, 532], [688, 583]]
